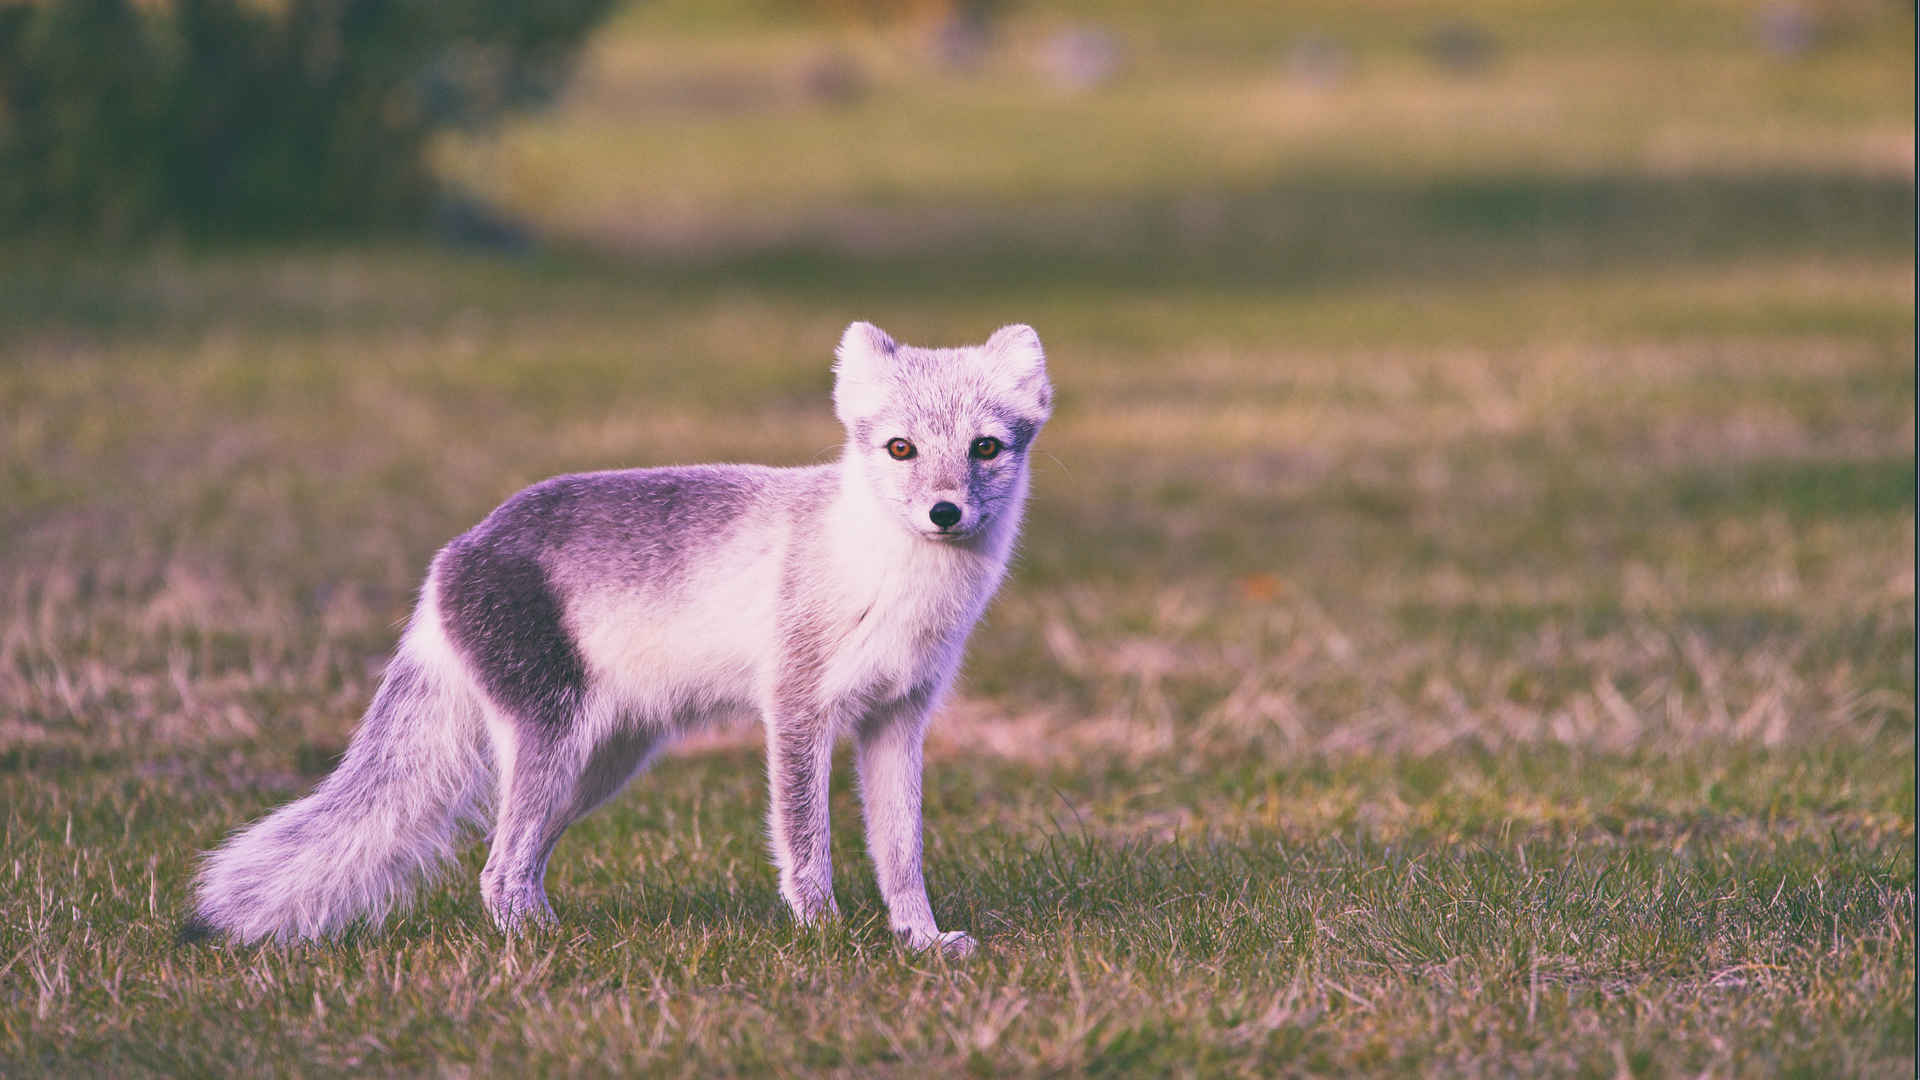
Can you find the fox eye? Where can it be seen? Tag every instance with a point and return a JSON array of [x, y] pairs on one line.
[[986, 447], [901, 449]]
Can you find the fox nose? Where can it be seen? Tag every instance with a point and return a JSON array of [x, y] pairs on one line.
[[944, 514]]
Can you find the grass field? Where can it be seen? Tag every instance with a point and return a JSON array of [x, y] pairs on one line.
[[1466, 621]]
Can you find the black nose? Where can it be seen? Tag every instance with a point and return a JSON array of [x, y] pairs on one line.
[[944, 514]]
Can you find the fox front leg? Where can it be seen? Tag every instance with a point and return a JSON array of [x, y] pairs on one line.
[[888, 752], [799, 765]]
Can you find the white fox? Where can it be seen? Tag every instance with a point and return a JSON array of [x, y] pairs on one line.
[[562, 642]]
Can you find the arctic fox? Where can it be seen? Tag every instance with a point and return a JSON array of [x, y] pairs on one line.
[[561, 643]]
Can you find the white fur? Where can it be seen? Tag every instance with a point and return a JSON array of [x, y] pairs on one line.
[[308, 870], [858, 386], [668, 658]]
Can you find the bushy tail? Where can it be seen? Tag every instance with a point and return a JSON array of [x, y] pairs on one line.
[[414, 774]]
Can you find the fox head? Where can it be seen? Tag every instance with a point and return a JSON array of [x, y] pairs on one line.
[[942, 436]]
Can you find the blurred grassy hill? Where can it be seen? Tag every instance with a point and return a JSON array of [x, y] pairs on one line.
[[1233, 123]]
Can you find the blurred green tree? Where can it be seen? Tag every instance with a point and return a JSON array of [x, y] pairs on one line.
[[220, 116]]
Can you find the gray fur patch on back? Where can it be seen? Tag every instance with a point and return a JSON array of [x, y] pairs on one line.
[[643, 527], [504, 584], [504, 614]]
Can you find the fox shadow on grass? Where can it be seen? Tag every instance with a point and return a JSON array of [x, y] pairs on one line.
[[1009, 898], [1010, 890]]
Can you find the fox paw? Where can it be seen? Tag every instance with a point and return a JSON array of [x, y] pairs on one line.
[[953, 944], [520, 910], [811, 905]]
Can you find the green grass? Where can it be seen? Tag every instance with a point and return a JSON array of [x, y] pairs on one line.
[[1466, 621]]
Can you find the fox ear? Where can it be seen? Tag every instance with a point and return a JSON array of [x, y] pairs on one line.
[[859, 364], [1019, 360]]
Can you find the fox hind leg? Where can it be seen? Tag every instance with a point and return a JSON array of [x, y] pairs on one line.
[[549, 784], [556, 757]]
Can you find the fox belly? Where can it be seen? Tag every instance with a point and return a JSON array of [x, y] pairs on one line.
[[679, 655]]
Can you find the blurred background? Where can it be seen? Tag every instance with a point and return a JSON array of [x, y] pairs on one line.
[[1426, 369], [1484, 441]]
